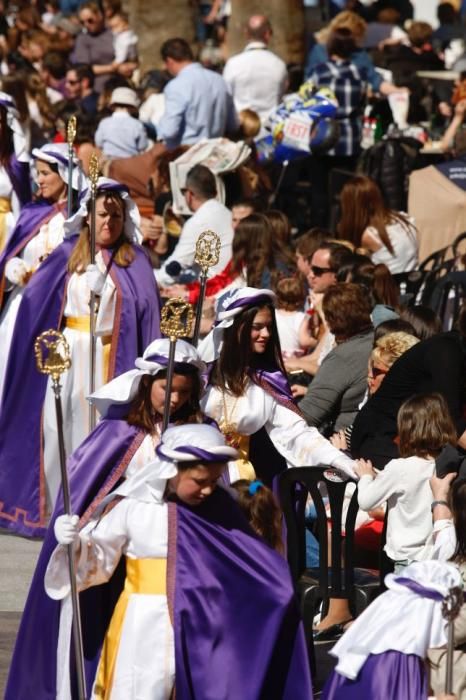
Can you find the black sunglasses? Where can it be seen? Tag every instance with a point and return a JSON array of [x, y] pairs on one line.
[[377, 372], [319, 271]]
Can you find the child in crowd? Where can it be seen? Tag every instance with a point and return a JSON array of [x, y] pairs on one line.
[[125, 41], [424, 428], [290, 315], [260, 507], [122, 135]]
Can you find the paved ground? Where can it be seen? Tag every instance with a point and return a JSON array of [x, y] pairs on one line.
[[18, 557]]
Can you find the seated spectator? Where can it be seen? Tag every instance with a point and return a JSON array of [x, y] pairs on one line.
[[389, 236], [125, 41], [333, 397], [122, 135], [52, 72], [378, 282], [79, 88], [423, 320], [433, 365], [153, 99], [267, 257]]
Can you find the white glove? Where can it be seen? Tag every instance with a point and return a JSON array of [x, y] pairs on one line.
[[95, 279], [16, 271], [66, 529]]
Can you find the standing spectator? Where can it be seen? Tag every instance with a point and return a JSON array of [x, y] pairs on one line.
[[197, 102], [53, 72], [125, 41], [256, 77], [200, 193], [348, 83], [95, 45], [122, 135]]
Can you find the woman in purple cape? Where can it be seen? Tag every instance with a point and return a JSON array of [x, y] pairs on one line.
[[207, 608], [15, 185], [248, 390], [38, 231], [58, 297], [382, 655]]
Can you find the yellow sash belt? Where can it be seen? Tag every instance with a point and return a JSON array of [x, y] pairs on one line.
[[83, 324], [5, 208], [143, 576], [241, 443]]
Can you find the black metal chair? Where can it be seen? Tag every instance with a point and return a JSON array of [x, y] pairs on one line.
[[447, 297], [339, 579], [458, 246]]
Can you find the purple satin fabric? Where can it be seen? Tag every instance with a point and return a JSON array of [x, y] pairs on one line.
[[275, 379], [137, 323], [417, 588], [115, 186], [249, 301], [388, 676], [19, 174], [244, 639], [57, 156], [204, 455], [29, 221], [90, 468]]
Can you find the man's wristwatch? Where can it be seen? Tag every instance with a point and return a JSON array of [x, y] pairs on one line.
[[438, 503]]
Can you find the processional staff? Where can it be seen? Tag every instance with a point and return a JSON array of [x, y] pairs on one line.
[[93, 177], [451, 607], [53, 358], [70, 137], [207, 255], [176, 322]]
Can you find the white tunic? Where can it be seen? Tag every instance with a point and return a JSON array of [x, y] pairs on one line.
[[49, 236], [300, 444], [138, 529], [75, 381]]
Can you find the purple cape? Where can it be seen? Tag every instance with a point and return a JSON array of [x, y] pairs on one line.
[[137, 323], [211, 549], [18, 172], [388, 676], [29, 221]]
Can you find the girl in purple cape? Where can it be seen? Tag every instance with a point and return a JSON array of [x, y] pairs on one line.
[[248, 389], [58, 297], [38, 231], [207, 609]]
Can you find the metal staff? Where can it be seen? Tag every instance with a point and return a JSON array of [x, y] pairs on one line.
[[451, 607], [93, 177], [176, 322], [53, 358], [70, 137], [207, 255]]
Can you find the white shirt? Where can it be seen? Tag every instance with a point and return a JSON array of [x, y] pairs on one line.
[[405, 248], [288, 325], [211, 215], [256, 79], [404, 484]]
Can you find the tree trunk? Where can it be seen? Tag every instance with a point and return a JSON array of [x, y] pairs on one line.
[[155, 21], [287, 18]]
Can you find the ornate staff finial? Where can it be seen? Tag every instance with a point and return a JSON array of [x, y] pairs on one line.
[[94, 172], [52, 354], [71, 131], [207, 250], [177, 319]]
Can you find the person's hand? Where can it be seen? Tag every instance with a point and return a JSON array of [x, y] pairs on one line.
[[364, 468], [66, 529], [126, 69], [95, 279], [151, 227], [460, 109], [174, 290], [298, 390], [444, 109], [316, 300], [441, 487], [17, 272], [339, 441]]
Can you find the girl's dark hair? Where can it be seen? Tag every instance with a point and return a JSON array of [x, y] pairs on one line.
[[377, 279], [457, 499], [425, 426], [341, 43], [236, 357], [142, 413], [263, 249], [423, 319], [262, 512], [393, 325], [6, 140]]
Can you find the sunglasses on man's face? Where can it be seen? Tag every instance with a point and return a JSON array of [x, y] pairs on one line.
[[319, 271]]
